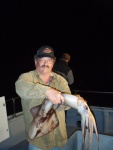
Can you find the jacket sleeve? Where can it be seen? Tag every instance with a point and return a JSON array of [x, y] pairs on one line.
[[70, 77], [27, 89]]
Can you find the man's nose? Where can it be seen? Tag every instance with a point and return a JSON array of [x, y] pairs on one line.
[[45, 61]]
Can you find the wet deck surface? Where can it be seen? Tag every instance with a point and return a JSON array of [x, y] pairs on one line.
[[24, 144]]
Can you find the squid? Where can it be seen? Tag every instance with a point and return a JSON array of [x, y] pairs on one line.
[[45, 119]]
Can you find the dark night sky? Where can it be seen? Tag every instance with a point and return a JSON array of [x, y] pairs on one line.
[[84, 29]]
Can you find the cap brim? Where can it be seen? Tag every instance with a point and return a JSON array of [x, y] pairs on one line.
[[40, 56]]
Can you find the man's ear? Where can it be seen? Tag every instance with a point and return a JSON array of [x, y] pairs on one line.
[[35, 63], [54, 60]]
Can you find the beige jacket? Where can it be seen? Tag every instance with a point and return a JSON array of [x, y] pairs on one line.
[[32, 91]]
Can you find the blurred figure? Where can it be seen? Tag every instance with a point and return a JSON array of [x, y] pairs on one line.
[[61, 67]]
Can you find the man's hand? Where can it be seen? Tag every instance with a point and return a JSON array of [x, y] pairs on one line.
[[54, 96]]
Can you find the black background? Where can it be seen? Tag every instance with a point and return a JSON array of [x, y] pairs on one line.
[[84, 29]]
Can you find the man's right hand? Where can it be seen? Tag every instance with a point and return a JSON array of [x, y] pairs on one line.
[[54, 96]]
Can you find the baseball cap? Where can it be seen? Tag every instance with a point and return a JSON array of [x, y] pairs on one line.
[[45, 51]]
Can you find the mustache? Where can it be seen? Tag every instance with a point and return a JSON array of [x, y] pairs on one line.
[[43, 66]]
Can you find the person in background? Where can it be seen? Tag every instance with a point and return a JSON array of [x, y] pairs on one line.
[[61, 67], [34, 87]]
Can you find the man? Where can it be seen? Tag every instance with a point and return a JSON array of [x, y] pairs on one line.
[[61, 67], [34, 87]]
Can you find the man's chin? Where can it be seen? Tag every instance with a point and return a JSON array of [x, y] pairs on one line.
[[46, 70]]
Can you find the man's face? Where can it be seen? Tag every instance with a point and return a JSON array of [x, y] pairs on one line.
[[44, 64]]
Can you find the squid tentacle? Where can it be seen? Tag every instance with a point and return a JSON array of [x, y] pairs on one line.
[[88, 123]]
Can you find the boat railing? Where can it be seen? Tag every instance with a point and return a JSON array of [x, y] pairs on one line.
[[14, 107], [94, 98]]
